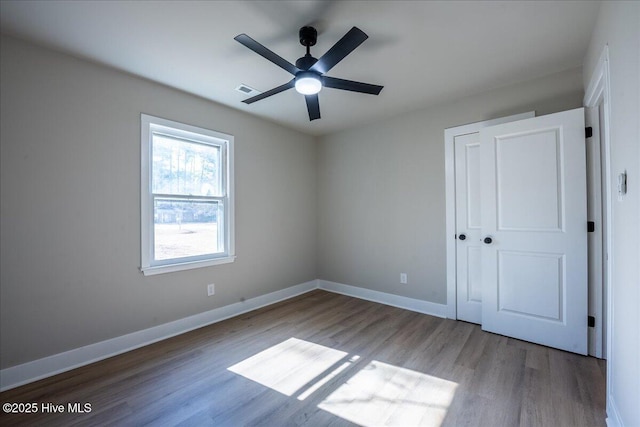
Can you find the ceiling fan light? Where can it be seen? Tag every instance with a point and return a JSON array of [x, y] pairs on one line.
[[308, 83]]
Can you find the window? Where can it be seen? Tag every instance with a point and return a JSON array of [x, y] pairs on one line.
[[187, 196]]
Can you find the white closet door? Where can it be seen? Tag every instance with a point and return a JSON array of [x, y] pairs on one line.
[[534, 230], [468, 276]]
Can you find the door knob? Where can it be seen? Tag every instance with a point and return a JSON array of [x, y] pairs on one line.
[[462, 237], [488, 240]]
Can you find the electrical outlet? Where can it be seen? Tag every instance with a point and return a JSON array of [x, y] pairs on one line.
[[211, 289], [403, 278]]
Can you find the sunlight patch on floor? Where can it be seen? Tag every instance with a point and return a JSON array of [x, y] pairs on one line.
[[289, 366], [308, 392], [383, 394]]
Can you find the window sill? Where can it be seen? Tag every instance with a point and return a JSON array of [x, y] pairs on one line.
[[160, 269]]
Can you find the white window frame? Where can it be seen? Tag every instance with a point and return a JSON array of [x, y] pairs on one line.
[[149, 125]]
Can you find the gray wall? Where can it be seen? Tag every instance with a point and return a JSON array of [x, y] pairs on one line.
[[70, 197], [381, 188], [618, 26]]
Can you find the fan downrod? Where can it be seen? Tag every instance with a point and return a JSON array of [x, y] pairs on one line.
[[308, 38]]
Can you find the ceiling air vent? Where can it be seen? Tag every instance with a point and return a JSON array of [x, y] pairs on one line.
[[247, 90]]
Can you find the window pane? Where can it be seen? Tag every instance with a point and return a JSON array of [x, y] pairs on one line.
[[184, 167], [185, 228]]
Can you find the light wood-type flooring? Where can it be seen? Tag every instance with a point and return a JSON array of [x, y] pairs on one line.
[[323, 359]]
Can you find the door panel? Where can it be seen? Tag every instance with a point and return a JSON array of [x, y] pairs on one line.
[[474, 279], [529, 165], [534, 267], [469, 280], [531, 284], [472, 164]]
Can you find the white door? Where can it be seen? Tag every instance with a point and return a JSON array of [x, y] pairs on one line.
[[534, 225], [467, 179]]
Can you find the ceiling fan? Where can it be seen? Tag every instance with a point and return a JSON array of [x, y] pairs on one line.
[[309, 72]]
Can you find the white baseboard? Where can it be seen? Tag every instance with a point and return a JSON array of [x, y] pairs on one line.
[[62, 362], [412, 304], [613, 417]]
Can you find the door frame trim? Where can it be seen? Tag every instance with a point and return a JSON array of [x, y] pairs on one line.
[[450, 197], [599, 91]]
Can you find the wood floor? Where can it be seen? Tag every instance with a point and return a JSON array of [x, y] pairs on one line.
[[324, 359]]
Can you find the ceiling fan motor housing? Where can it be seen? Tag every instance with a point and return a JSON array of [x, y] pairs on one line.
[[306, 62]]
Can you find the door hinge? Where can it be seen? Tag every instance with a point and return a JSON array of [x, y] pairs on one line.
[[591, 226], [588, 132], [591, 321]]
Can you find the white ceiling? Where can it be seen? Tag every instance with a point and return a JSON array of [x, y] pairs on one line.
[[423, 52]]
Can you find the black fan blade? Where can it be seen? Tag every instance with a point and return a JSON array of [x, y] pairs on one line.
[[334, 83], [266, 53], [313, 106], [273, 91], [342, 48]]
